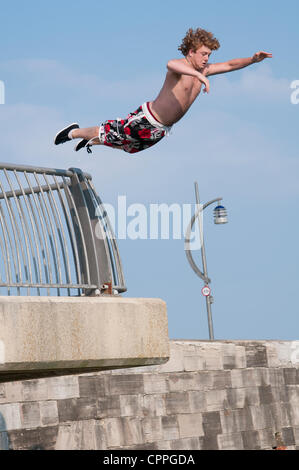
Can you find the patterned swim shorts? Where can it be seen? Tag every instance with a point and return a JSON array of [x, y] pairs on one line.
[[138, 131]]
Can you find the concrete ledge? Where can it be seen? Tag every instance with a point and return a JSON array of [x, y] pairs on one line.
[[44, 336]]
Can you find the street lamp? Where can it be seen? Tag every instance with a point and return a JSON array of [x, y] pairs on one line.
[[220, 217]]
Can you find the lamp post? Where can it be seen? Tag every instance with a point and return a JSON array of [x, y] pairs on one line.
[[220, 217]]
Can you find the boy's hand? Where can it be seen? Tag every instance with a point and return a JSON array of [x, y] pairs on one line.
[[205, 81], [259, 56]]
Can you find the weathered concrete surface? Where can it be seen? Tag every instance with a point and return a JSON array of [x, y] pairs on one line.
[[217, 395], [43, 336]]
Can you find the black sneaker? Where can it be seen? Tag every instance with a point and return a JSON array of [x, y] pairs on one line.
[[62, 136], [80, 145], [83, 143]]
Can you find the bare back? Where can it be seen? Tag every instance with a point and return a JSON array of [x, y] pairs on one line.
[[175, 98]]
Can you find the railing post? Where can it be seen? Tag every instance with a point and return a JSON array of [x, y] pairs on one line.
[[97, 250]]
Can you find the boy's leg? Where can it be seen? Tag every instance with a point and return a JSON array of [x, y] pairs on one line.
[[67, 134], [88, 133]]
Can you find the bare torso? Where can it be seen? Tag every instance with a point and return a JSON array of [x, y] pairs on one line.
[[175, 98]]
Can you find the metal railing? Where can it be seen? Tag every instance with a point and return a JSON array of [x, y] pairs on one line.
[[55, 235]]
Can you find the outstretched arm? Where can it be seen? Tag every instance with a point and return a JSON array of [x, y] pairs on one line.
[[236, 64], [181, 67]]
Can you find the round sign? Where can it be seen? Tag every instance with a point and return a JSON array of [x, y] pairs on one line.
[[206, 291]]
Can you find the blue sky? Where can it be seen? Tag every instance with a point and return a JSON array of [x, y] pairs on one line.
[[71, 61]]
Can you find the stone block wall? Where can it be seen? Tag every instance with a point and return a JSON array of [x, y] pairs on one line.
[[210, 395]]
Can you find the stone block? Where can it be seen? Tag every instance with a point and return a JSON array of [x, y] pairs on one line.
[[91, 386], [263, 376], [211, 423], [266, 395], [256, 355], [108, 406], [152, 429], [208, 442], [285, 413], [204, 380], [131, 405], [79, 435], [48, 413], [176, 403], [213, 360], [237, 378], [240, 357], [251, 440], [182, 382], [229, 361], [193, 363], [62, 387], [86, 408], [228, 352], [288, 436], [245, 419], [266, 438], [229, 422], [158, 445], [43, 335], [221, 379], [125, 384], [133, 431], [292, 393], [296, 434], [67, 410], [250, 377], [176, 359], [163, 445], [230, 441], [100, 435], [34, 390], [114, 430], [170, 428], [155, 383], [86, 435], [276, 377], [280, 394], [236, 397], [75, 409], [10, 417], [290, 376], [191, 443], [153, 405], [30, 415], [238, 420], [190, 425], [271, 415], [197, 400], [258, 418], [34, 439], [216, 400], [11, 392], [273, 360], [242, 397]]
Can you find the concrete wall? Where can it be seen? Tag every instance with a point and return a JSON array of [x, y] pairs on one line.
[[210, 395], [50, 336]]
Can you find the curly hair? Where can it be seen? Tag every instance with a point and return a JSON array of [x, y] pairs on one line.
[[197, 38]]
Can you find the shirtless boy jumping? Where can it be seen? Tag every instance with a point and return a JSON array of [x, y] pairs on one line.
[[153, 120]]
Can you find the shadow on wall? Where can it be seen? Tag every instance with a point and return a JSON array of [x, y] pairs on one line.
[[5, 443], [4, 439]]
